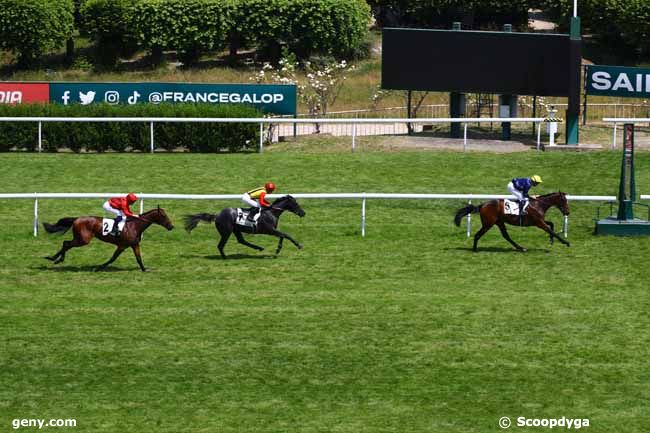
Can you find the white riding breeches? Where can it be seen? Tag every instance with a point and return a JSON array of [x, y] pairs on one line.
[[249, 201], [514, 191], [108, 208]]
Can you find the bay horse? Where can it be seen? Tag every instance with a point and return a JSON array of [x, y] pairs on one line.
[[86, 227], [267, 223], [492, 214]]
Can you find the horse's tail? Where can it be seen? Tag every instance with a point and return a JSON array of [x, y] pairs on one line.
[[61, 226], [192, 221], [464, 211]]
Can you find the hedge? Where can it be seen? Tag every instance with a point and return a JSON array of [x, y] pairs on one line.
[[621, 25], [478, 14], [123, 136], [106, 22], [30, 28], [188, 26]]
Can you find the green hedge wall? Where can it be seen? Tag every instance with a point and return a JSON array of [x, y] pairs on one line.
[[122, 136], [621, 25], [188, 26], [29, 28], [191, 27], [476, 14]]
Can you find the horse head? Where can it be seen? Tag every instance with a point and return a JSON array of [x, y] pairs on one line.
[[159, 217], [563, 203], [289, 203]]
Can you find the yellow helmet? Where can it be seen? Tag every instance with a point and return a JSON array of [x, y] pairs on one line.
[[535, 178]]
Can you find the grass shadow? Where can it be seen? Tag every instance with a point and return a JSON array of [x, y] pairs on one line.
[[87, 268], [497, 250]]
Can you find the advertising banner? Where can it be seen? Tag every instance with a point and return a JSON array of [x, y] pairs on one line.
[[24, 93], [618, 81], [278, 99]]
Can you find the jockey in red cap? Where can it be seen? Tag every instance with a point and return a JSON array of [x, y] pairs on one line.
[[120, 207], [260, 195]]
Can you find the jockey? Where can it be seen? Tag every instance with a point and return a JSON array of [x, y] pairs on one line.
[[120, 207], [519, 187], [260, 195]]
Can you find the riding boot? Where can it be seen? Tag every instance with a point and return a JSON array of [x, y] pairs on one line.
[[252, 213], [116, 231]]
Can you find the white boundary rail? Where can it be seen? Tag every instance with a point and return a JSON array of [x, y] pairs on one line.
[[363, 196], [617, 120], [268, 120]]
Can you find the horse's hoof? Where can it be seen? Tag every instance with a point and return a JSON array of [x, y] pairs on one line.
[[300, 246], [49, 258], [568, 244], [522, 250]]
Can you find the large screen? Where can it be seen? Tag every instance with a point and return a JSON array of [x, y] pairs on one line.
[[476, 62]]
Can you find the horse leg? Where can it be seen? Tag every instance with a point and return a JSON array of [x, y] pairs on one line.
[[542, 225], [479, 234], [136, 251], [116, 254], [507, 237], [277, 251], [552, 226], [241, 240], [280, 234], [222, 243], [77, 241]]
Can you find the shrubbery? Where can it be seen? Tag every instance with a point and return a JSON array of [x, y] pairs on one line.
[[478, 14], [106, 22], [122, 136], [29, 28], [621, 25]]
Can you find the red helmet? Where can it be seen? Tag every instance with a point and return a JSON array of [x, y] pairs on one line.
[[131, 198], [270, 186]]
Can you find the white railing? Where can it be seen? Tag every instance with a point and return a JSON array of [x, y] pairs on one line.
[[617, 120], [262, 121], [363, 196]]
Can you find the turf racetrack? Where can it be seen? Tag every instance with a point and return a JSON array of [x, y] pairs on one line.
[[405, 330]]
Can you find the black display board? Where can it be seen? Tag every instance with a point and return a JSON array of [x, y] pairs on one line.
[[476, 62]]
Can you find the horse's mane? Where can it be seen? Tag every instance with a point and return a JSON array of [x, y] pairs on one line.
[[284, 197], [150, 211]]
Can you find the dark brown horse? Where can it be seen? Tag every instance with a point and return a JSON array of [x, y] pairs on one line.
[[492, 214], [87, 227], [267, 223]]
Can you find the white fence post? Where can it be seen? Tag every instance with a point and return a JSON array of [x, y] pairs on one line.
[[565, 229], [614, 141], [465, 138], [469, 222], [40, 136], [261, 137], [35, 217], [151, 145], [363, 216], [354, 136], [539, 135]]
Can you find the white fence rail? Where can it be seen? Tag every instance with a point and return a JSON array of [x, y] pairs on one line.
[[617, 120], [363, 196], [262, 121]]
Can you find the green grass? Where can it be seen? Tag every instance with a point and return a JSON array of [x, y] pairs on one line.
[[405, 330]]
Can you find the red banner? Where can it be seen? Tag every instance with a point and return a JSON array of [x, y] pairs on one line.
[[22, 93]]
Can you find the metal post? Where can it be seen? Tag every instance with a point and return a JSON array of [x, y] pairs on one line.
[[261, 137], [141, 205], [354, 136], [35, 217], [469, 222], [151, 136], [565, 229], [465, 137], [614, 142], [40, 136], [363, 217], [539, 135]]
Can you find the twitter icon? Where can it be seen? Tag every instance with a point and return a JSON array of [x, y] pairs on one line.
[[86, 98]]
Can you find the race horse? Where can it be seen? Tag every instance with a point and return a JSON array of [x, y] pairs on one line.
[[267, 223], [492, 213], [86, 227]]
